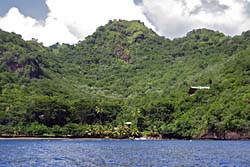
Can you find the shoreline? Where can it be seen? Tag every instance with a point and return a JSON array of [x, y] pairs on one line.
[[55, 138], [101, 139]]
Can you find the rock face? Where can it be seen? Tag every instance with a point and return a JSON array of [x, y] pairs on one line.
[[226, 136], [236, 136], [29, 67], [119, 52]]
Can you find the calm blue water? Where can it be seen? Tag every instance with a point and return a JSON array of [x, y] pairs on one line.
[[60, 153]]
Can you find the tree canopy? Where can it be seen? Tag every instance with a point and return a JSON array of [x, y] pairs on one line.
[[125, 72]]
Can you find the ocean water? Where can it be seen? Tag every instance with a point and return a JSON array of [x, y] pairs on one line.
[[125, 153]]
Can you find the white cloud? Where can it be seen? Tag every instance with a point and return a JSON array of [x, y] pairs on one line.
[[174, 18], [71, 20], [84, 16], [49, 32]]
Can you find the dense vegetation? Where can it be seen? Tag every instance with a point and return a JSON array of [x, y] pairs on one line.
[[125, 72]]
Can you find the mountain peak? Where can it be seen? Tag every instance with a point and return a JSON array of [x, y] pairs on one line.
[[119, 38], [121, 25], [116, 30]]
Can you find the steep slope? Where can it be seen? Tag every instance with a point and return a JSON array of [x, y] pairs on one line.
[[126, 72]]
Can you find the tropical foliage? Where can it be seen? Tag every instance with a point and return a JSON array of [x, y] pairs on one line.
[[125, 72]]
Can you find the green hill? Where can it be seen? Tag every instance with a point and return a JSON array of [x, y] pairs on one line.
[[125, 72]]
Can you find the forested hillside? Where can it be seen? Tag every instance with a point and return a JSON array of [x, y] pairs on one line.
[[125, 72]]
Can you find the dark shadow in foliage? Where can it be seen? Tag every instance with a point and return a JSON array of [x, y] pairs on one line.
[[155, 115], [48, 111], [85, 112]]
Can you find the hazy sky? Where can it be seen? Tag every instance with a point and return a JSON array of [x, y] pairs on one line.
[[68, 21]]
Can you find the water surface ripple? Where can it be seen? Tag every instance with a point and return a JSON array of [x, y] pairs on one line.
[[62, 153]]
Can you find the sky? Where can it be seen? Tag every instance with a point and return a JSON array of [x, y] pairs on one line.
[[68, 21]]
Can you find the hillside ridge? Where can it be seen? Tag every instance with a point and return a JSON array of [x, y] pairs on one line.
[[125, 72]]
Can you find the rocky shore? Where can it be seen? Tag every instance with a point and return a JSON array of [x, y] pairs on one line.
[[208, 136]]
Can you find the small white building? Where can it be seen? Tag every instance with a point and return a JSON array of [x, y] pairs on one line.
[[128, 124], [193, 89]]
